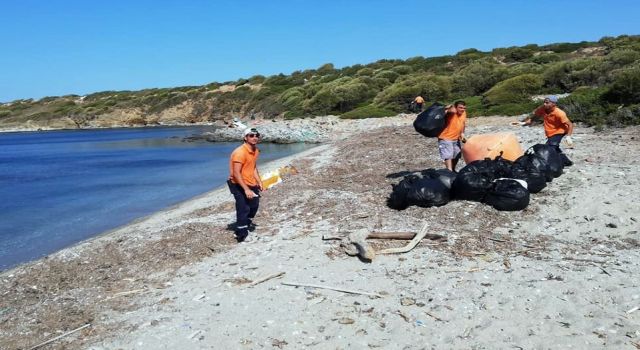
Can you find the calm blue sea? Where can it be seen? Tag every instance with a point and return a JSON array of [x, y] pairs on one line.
[[61, 187]]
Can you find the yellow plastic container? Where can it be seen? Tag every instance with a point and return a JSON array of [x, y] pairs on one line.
[[270, 179], [490, 146]]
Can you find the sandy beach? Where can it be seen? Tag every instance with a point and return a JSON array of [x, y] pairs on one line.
[[563, 273]]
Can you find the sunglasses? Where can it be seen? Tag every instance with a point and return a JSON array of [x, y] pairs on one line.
[[253, 135]]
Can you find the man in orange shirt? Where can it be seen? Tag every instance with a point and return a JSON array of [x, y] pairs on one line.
[[556, 123], [453, 132], [245, 183]]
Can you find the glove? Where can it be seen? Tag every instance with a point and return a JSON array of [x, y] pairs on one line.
[[568, 141]]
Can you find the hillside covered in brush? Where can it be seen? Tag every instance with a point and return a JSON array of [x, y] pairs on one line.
[[602, 79]]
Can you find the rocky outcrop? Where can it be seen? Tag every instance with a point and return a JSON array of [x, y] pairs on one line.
[[309, 130]]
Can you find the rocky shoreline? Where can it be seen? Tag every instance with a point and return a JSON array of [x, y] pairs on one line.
[[558, 274]]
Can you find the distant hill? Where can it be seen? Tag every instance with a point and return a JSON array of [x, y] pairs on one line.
[[602, 79]]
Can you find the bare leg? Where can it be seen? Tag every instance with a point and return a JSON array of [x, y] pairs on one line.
[[448, 164], [454, 163]]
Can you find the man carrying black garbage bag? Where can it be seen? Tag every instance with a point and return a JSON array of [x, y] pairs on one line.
[[245, 183], [453, 133], [556, 125]]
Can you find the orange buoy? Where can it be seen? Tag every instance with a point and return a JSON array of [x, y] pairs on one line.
[[490, 146]]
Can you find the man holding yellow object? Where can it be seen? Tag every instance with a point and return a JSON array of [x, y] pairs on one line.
[[245, 183]]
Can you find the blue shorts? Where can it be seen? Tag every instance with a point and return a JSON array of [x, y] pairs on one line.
[[449, 149]]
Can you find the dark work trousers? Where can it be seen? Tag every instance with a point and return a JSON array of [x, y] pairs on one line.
[[555, 141], [246, 209]]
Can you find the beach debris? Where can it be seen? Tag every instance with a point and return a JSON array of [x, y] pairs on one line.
[[434, 316], [277, 343], [601, 268], [404, 316], [60, 336], [348, 291], [414, 242], [194, 334], [356, 245], [120, 294], [632, 310], [237, 280], [345, 320], [358, 239], [506, 263], [266, 278], [407, 301]]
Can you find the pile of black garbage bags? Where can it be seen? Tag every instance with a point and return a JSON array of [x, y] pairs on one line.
[[503, 184]]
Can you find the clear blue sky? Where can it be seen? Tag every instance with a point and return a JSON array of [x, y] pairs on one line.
[[54, 47]]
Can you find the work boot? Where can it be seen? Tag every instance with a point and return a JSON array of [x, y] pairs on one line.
[[252, 227], [240, 237]]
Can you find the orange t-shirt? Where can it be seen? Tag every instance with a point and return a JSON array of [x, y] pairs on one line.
[[419, 99], [454, 126], [244, 155], [555, 122]]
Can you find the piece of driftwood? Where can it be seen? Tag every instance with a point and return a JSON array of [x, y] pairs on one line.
[[266, 278], [129, 292], [392, 235], [349, 291], [331, 238], [414, 242], [60, 336], [434, 316]]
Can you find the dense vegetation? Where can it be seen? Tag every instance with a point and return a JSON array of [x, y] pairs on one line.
[[602, 79]]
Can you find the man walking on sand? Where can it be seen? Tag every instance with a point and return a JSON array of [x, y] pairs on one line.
[[556, 124], [245, 183], [453, 132]]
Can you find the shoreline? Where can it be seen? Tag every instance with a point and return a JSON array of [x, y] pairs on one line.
[[502, 279], [172, 211]]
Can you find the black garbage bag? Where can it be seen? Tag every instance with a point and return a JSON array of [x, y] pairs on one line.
[[432, 121], [445, 176], [535, 163], [428, 193], [565, 160], [531, 169], [475, 179], [550, 155], [507, 195], [496, 168], [398, 197], [472, 186]]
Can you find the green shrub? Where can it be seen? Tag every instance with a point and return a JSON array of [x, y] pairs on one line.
[[524, 68], [368, 111], [545, 58], [513, 90], [586, 105], [626, 87], [624, 116], [4, 113], [477, 78], [365, 72], [566, 47], [510, 109], [397, 96], [339, 96], [567, 76], [622, 57], [257, 79], [389, 75], [402, 69]]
